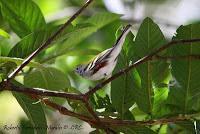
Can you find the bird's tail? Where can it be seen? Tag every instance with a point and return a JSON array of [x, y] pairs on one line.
[[120, 41]]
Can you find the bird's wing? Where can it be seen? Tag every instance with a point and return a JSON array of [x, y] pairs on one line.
[[97, 60]]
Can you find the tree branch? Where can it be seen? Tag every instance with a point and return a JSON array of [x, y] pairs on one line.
[[65, 111], [41, 92], [115, 122], [138, 62], [195, 57], [106, 123], [48, 41]]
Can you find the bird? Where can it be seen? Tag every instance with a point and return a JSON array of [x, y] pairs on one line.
[[102, 65]]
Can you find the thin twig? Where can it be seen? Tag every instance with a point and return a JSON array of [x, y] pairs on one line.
[[48, 41], [140, 61], [195, 57]]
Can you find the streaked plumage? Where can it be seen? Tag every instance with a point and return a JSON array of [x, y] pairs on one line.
[[104, 63]]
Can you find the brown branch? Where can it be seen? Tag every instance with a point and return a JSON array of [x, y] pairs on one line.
[[195, 57], [91, 111], [138, 62], [175, 119], [107, 122], [93, 122], [115, 122], [48, 41], [37, 92], [41, 92], [65, 111]]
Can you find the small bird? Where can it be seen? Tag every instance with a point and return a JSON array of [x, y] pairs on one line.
[[103, 64]]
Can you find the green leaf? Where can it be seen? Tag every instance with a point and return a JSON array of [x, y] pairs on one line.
[[34, 112], [122, 91], [84, 30], [29, 43], [5, 46], [102, 19], [185, 88], [23, 16], [149, 38], [6, 68], [4, 34], [24, 124], [48, 78], [159, 107], [18, 61]]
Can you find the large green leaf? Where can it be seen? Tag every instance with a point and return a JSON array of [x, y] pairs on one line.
[[29, 43], [23, 16], [48, 78], [149, 38], [34, 112], [122, 91], [185, 88], [84, 30]]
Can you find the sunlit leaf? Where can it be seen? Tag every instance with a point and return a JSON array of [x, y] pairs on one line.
[[23, 16], [159, 108], [4, 34]]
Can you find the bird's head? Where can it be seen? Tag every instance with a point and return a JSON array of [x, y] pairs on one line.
[[80, 69]]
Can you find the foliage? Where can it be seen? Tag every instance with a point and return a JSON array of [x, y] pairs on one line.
[[155, 89]]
